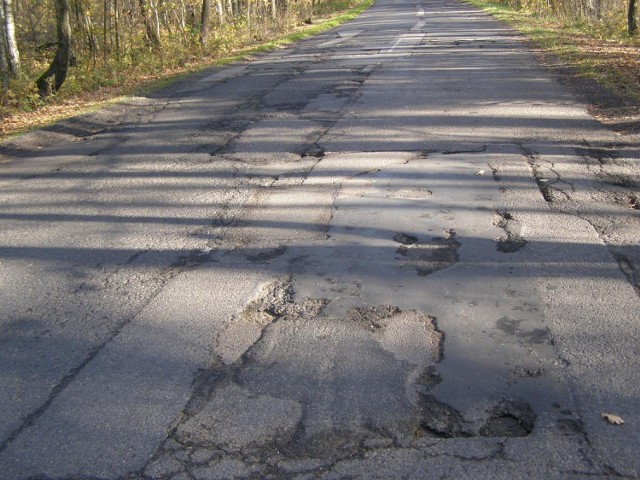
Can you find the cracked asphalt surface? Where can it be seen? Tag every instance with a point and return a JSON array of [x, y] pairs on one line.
[[398, 249]]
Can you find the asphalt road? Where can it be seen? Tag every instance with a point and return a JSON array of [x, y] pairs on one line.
[[398, 249]]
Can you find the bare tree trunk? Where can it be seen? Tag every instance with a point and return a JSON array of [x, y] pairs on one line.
[[60, 64], [4, 65], [220, 11], [116, 25], [249, 16], [205, 22], [84, 20], [105, 22], [155, 17], [10, 46], [182, 12], [153, 38], [632, 25], [164, 16]]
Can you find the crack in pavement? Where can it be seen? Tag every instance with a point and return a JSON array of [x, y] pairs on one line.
[[617, 192], [262, 359], [336, 366]]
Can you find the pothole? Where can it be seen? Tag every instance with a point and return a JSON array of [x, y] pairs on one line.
[[354, 374], [509, 418], [545, 189], [504, 417], [314, 150], [371, 317], [513, 327], [299, 385], [527, 372], [405, 239], [274, 301], [410, 193], [439, 419], [512, 241], [431, 256], [266, 255]]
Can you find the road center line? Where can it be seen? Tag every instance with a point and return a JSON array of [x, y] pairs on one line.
[[419, 25], [407, 40]]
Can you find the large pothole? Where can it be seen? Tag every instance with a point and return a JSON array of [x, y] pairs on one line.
[[502, 417], [355, 376], [295, 386]]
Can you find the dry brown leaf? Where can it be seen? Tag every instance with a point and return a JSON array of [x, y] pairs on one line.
[[612, 419]]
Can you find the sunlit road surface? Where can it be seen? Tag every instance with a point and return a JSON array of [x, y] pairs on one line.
[[398, 249]]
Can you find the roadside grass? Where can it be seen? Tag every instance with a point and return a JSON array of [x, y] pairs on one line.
[[608, 58], [79, 101]]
